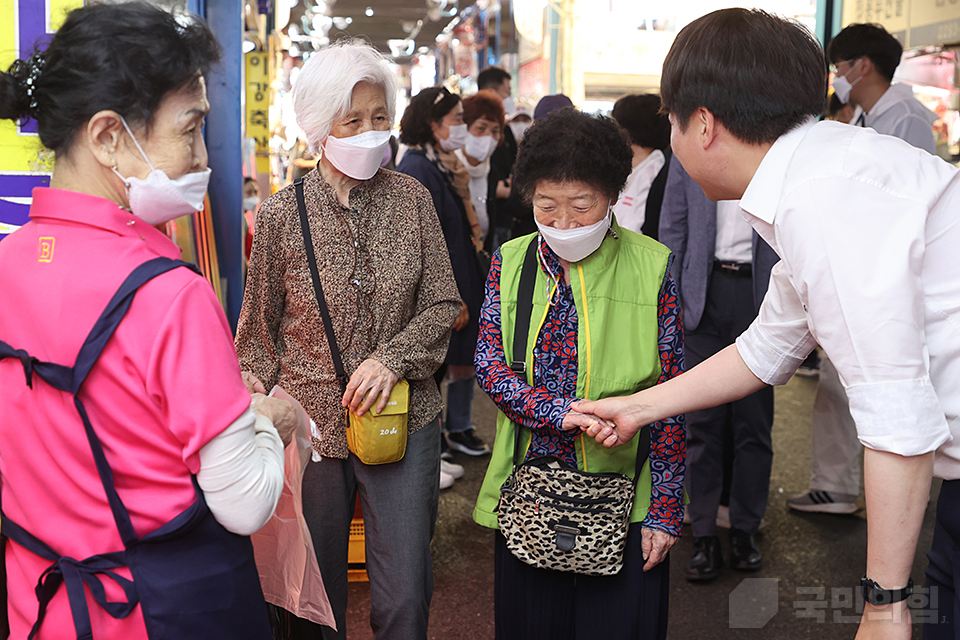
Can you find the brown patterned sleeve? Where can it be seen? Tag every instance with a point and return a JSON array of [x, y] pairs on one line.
[[258, 343], [420, 348]]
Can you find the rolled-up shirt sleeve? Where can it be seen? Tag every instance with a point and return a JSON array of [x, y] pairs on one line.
[[779, 339], [856, 273]]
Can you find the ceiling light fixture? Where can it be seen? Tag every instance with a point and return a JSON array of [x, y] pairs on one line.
[[400, 48]]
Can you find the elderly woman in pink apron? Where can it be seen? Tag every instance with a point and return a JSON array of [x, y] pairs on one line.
[[134, 464]]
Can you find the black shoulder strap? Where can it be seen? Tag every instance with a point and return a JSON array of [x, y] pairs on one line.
[[518, 360], [317, 288], [528, 277]]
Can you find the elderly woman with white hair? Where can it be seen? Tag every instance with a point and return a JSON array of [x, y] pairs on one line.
[[386, 277]]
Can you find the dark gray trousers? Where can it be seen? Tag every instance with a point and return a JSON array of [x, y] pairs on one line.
[[399, 503], [728, 311]]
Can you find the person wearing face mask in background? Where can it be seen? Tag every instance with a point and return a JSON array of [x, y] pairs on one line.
[[162, 423], [865, 57], [455, 131], [519, 121], [595, 336], [430, 122], [501, 163], [392, 299], [484, 117]]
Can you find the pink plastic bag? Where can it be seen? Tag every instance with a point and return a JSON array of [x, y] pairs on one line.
[[283, 548]]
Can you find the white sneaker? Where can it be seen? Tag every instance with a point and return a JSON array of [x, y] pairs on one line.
[[824, 502], [451, 469], [446, 480]]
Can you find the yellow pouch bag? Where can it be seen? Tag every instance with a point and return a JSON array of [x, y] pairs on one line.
[[381, 438]]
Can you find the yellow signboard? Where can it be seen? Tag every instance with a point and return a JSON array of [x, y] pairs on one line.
[[916, 23], [934, 22], [258, 99], [894, 15]]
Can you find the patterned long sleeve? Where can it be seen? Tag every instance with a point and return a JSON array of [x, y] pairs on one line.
[[668, 443], [536, 408]]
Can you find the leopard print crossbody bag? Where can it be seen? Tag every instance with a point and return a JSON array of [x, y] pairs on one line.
[[554, 516]]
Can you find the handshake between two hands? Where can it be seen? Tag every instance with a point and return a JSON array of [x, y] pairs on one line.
[[611, 422]]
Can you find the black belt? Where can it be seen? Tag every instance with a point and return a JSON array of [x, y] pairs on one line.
[[735, 269]]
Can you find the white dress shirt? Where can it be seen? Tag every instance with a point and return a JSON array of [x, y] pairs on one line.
[[631, 207], [898, 113], [734, 234], [868, 232]]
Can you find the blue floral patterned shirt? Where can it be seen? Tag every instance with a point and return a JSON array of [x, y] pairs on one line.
[[542, 408]]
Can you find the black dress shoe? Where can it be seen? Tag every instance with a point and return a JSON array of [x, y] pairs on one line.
[[706, 561], [744, 553]]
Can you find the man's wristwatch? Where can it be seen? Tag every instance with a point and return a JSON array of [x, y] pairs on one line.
[[877, 595]]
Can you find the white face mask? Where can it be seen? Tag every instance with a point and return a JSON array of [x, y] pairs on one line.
[[455, 139], [509, 106], [842, 86], [479, 148], [358, 156], [158, 199], [573, 245], [250, 204], [518, 129]]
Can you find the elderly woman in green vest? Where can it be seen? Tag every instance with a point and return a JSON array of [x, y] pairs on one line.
[[605, 321]]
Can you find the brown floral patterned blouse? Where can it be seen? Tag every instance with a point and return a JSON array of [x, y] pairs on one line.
[[387, 280]]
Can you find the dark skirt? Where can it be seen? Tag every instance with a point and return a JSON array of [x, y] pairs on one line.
[[540, 604]]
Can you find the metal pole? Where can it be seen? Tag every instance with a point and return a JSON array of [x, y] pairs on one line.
[[223, 136]]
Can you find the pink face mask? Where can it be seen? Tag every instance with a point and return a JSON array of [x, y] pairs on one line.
[[358, 156]]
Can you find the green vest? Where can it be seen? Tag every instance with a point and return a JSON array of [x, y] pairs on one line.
[[616, 290]]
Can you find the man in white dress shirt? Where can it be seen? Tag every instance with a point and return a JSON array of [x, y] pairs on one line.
[[865, 57], [867, 230]]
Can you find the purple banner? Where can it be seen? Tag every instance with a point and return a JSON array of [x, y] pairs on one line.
[[33, 36], [14, 189]]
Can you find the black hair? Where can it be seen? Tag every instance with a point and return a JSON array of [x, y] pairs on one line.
[[491, 78], [120, 57], [247, 180], [570, 145], [867, 41], [759, 75], [430, 105], [641, 116]]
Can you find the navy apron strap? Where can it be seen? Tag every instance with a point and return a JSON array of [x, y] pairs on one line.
[[74, 574], [90, 351], [70, 379], [57, 376], [116, 309]]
